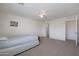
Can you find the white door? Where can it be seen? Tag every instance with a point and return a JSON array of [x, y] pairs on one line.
[[71, 30]]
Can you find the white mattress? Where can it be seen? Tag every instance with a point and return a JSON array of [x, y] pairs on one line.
[[16, 45], [13, 41]]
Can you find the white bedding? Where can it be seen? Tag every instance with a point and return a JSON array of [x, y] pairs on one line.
[[16, 45], [3, 38]]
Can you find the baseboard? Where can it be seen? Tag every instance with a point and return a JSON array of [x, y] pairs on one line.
[[57, 39]]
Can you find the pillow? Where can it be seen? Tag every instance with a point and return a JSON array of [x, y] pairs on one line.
[[3, 38]]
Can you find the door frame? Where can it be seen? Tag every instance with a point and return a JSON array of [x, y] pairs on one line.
[[76, 29]]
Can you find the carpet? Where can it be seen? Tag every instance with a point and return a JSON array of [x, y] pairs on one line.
[[52, 47]]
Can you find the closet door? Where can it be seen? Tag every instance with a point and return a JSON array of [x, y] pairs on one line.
[[71, 30]]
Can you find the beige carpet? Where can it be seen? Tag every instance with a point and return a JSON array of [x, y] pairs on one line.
[[53, 47]]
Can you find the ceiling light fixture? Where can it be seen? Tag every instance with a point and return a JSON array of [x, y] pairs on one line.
[[41, 16], [41, 13]]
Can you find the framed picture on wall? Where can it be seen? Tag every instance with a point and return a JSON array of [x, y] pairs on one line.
[[14, 23]]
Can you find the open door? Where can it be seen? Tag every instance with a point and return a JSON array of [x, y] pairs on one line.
[[47, 31]]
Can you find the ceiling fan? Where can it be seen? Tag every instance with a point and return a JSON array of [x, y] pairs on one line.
[[42, 13]]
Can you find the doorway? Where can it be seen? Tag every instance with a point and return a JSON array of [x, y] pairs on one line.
[[47, 31], [71, 30]]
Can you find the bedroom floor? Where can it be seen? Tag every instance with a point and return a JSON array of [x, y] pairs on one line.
[[49, 47]]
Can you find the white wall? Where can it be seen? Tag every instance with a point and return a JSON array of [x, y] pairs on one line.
[[25, 25], [29, 26], [57, 28], [44, 26]]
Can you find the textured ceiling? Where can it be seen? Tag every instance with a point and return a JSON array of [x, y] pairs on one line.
[[54, 10]]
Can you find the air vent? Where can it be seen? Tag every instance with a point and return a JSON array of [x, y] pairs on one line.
[[22, 4]]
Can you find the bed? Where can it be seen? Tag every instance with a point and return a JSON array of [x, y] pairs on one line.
[[14, 45]]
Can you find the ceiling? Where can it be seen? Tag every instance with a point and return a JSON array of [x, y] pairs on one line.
[[54, 10]]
